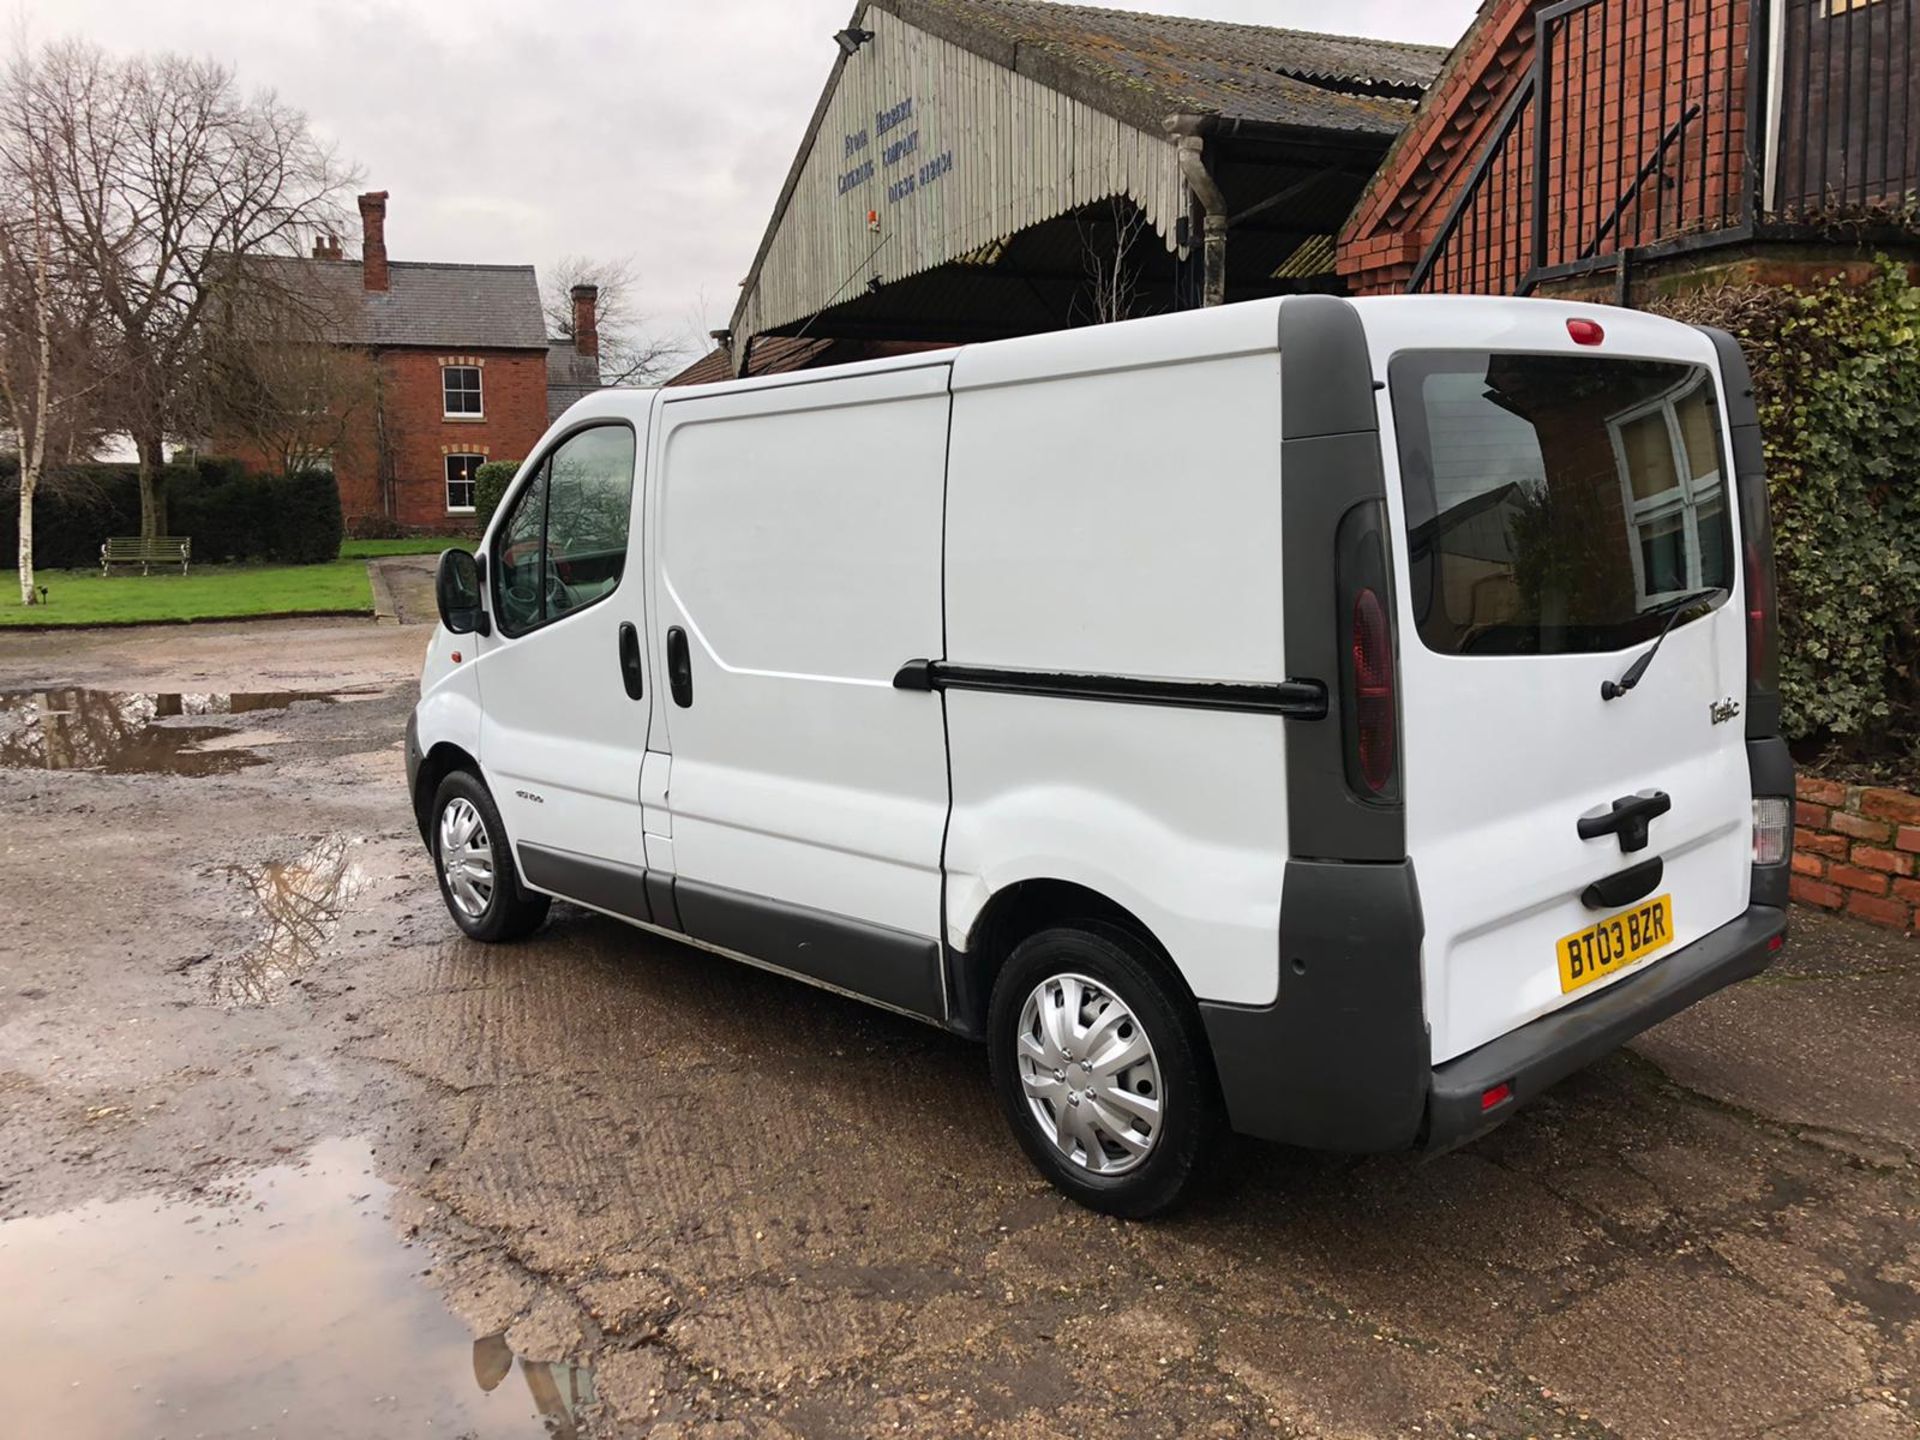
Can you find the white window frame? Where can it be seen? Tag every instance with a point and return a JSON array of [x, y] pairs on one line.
[[317, 461], [448, 482], [479, 391], [1686, 498]]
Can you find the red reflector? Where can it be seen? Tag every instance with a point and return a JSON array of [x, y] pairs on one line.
[[1585, 332], [1776, 942], [1373, 690], [1497, 1095]]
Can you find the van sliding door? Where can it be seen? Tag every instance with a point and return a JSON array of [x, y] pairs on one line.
[[798, 563]]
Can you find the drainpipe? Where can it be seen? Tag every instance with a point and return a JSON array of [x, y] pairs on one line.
[[1213, 204]]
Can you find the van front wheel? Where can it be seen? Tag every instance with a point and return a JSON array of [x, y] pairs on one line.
[[475, 864], [1100, 1069]]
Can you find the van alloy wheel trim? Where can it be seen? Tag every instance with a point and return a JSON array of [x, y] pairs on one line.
[[466, 858], [1089, 1073]]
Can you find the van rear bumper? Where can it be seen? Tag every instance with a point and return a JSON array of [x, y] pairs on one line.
[[1543, 1051]]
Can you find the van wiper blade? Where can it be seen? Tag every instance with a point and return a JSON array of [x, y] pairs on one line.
[[1614, 689]]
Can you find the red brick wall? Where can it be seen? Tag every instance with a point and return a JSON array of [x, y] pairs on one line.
[[420, 436], [1857, 849], [514, 394], [1604, 119]]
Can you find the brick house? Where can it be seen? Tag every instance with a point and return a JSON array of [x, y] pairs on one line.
[[1600, 146], [458, 370]]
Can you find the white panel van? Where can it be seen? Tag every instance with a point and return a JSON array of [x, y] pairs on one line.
[[1338, 720]]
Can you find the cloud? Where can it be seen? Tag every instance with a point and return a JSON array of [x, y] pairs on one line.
[[516, 133]]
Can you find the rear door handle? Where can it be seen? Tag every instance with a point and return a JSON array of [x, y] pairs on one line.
[[631, 674], [679, 668], [1628, 819]]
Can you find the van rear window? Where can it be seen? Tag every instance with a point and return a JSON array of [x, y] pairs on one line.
[[1557, 503]]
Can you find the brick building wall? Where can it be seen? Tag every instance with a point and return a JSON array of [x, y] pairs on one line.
[[420, 435], [1856, 848], [1623, 71]]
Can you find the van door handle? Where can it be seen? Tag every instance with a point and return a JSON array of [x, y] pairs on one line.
[[1628, 819], [630, 673], [679, 668]]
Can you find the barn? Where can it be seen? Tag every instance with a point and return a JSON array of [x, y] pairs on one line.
[[983, 168]]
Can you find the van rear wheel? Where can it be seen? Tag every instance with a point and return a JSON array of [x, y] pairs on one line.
[[475, 866], [1101, 1069]]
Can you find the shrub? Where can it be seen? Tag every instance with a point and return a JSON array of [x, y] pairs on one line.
[[304, 525], [222, 509], [1837, 378], [490, 483], [76, 508], [227, 513]]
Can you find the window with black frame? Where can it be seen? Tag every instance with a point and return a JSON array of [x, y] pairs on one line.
[[563, 545], [1557, 503]]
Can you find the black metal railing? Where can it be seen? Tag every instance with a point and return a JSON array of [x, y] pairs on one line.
[[1647, 127]]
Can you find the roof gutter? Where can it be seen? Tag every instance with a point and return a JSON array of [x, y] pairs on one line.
[[1191, 149]]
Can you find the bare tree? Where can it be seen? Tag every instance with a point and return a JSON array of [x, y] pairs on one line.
[[50, 375], [165, 174], [631, 353], [1110, 272], [283, 374]]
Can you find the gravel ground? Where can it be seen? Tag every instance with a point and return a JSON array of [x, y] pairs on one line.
[[279, 1149]]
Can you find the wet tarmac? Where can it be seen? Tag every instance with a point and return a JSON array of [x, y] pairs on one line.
[[638, 1190], [279, 1303]]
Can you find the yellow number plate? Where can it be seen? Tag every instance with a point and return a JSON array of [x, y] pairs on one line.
[[1611, 946]]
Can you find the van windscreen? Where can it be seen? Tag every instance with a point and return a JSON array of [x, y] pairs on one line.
[[1557, 503]]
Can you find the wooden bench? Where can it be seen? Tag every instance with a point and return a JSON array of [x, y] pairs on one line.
[[146, 553]]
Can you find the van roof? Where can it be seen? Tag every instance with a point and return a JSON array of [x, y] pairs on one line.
[[1247, 327]]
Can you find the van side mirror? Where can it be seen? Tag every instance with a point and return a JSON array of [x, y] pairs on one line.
[[456, 589]]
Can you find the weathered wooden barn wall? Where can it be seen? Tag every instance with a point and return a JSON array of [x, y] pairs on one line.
[[952, 152]]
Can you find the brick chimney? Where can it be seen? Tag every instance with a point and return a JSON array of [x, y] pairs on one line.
[[586, 325], [373, 239], [326, 247]]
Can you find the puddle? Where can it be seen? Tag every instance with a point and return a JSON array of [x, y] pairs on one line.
[[302, 902], [127, 734], [284, 1307]]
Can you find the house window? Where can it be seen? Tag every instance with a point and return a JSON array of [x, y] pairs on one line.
[[460, 387], [460, 473], [310, 462]]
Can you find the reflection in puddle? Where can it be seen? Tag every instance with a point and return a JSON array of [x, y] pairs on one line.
[[302, 901], [122, 734], [286, 1306], [559, 1390]]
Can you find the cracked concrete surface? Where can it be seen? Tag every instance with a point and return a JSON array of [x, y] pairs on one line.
[[754, 1209]]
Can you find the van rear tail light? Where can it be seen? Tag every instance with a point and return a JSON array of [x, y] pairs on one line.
[[1772, 824], [1373, 700]]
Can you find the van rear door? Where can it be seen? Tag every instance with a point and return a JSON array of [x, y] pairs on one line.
[[1560, 504]]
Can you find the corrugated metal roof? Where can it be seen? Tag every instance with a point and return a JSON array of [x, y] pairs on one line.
[[1141, 68], [475, 306]]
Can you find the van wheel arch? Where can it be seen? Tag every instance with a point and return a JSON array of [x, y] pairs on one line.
[[1026, 908], [438, 763]]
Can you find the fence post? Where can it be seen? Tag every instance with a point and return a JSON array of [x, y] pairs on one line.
[[1542, 111]]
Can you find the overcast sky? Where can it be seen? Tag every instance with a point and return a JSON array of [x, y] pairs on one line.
[[522, 130]]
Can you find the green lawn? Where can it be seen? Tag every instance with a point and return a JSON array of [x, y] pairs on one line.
[[207, 592], [413, 545]]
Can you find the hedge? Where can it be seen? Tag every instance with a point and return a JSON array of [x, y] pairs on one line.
[[227, 513], [490, 484], [1837, 377]]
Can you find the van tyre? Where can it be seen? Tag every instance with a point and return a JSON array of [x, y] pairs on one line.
[[474, 862], [1101, 1069]]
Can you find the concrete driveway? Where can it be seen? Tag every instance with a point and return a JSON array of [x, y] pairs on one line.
[[281, 1153]]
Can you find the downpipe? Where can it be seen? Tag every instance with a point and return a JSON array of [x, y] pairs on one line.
[[1213, 204]]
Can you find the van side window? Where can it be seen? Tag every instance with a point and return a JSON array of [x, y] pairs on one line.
[[564, 545]]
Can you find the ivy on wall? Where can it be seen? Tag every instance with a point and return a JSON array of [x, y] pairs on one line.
[[1836, 374]]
